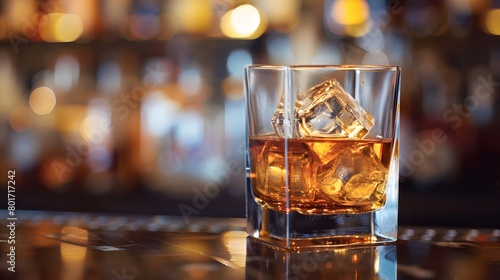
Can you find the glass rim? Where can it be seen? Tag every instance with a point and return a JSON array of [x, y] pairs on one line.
[[366, 67]]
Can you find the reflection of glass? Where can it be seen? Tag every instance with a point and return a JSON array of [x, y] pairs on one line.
[[323, 154], [371, 262]]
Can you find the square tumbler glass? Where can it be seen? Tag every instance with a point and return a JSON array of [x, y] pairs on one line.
[[323, 156]]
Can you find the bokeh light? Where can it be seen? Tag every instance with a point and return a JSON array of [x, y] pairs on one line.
[[109, 77], [284, 15], [87, 12], [66, 72], [192, 16], [192, 132], [374, 41], [69, 28], [97, 126], [18, 13], [159, 114], [492, 22], [69, 118], [348, 17], [100, 159], [279, 47], [60, 27], [244, 21], [190, 80], [350, 12], [232, 86], [168, 27], [24, 150], [42, 100], [91, 131], [236, 62], [21, 118]]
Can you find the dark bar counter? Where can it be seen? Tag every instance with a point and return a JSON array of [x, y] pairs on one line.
[[52, 245]]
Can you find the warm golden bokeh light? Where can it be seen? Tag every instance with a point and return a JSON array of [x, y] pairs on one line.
[[169, 27], [21, 118], [88, 13], [244, 21], [69, 28], [284, 15], [42, 100], [87, 126], [69, 118], [349, 17], [192, 16], [350, 12], [95, 129], [492, 22], [225, 25], [17, 14], [60, 27]]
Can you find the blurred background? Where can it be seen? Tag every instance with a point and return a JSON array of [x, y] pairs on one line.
[[136, 106]]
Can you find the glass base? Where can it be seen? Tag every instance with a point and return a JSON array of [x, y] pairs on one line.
[[295, 231]]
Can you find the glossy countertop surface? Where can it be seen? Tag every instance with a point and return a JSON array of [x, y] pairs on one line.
[[111, 247]]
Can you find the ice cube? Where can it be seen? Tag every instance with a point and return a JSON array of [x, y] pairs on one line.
[[326, 151], [278, 121], [272, 176], [329, 111], [354, 177]]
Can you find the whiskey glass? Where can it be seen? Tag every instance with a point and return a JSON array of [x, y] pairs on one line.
[[322, 154]]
